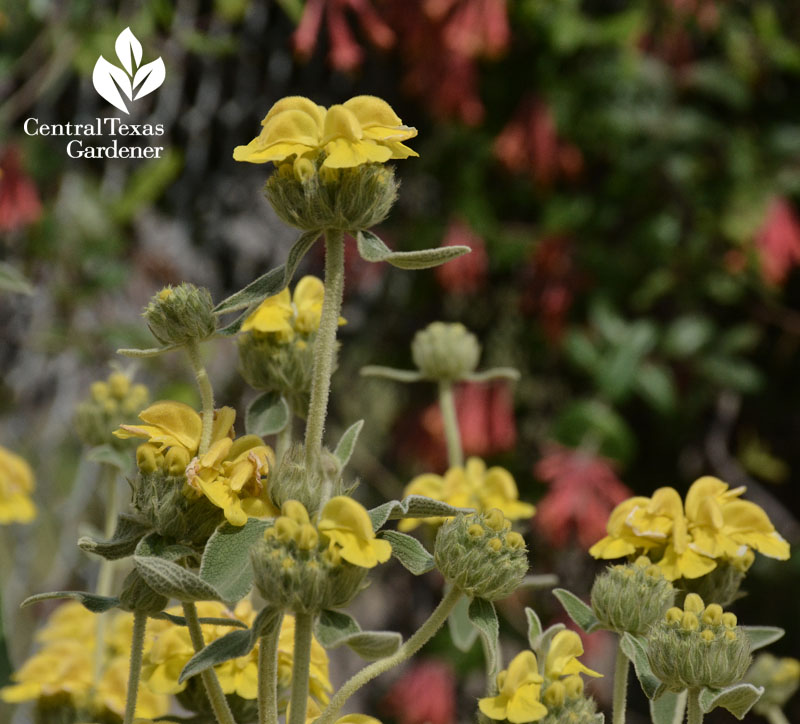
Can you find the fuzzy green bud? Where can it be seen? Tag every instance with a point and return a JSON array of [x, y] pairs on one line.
[[487, 566], [445, 352], [311, 197], [720, 585], [574, 710], [631, 597], [292, 480], [779, 677], [182, 314], [110, 404]]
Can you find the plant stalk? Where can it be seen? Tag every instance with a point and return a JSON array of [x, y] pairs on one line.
[[776, 716], [105, 577], [406, 651], [206, 394], [620, 699], [137, 649], [694, 712], [298, 703], [268, 675], [452, 434]]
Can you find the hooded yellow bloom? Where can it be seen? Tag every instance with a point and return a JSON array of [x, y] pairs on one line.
[[471, 486], [562, 657], [16, 486], [519, 686], [362, 130], [346, 523]]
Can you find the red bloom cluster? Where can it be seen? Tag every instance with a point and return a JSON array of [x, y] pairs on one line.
[[424, 694], [778, 241], [19, 199], [466, 274], [584, 489]]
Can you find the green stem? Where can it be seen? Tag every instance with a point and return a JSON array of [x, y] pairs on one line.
[[325, 345], [268, 675], [283, 442], [206, 394], [776, 716], [298, 703], [105, 577], [694, 712], [406, 651], [137, 648], [216, 697], [620, 686], [452, 434]]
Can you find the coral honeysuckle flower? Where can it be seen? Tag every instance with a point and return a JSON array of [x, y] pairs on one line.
[[16, 486], [171, 424], [562, 657], [519, 685], [362, 130], [230, 476], [346, 523]]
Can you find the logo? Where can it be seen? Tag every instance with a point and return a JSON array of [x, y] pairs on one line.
[[133, 80]]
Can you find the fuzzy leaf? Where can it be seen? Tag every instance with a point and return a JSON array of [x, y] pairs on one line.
[[373, 645], [414, 506], [152, 352], [91, 601], [494, 373], [267, 414], [390, 373], [154, 545], [234, 327], [212, 620], [761, 636], [462, 632], [539, 581], [171, 580], [534, 626], [669, 708], [12, 280], [410, 552], [371, 248], [347, 443], [636, 650], [108, 455], [273, 281], [226, 559], [483, 616], [127, 534], [232, 645], [737, 699], [334, 628], [580, 612], [543, 642]]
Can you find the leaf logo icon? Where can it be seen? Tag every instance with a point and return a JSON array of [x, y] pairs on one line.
[[133, 80]]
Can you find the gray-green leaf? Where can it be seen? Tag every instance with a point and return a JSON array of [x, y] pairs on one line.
[[267, 414], [347, 443], [580, 612], [410, 552], [483, 616], [669, 708], [534, 626], [414, 506], [171, 580], [151, 352], [334, 628], [761, 636], [127, 534], [109, 455], [91, 601], [737, 699], [371, 248], [494, 373], [390, 373], [635, 649], [462, 632]]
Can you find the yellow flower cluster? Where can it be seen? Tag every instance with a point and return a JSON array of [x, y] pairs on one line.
[[520, 698], [63, 666], [471, 486], [286, 315], [690, 539], [230, 474], [362, 130], [16, 486], [172, 648]]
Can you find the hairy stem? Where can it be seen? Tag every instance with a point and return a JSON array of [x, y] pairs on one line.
[[776, 716], [406, 651], [283, 442], [268, 675], [206, 394], [105, 578], [694, 712], [216, 697], [137, 648], [452, 434], [298, 703], [620, 686], [325, 345]]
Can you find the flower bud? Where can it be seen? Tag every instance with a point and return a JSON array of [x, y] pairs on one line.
[[779, 677], [554, 695], [574, 710], [487, 566], [292, 481], [109, 405], [720, 585], [445, 352], [309, 197], [182, 314], [631, 598]]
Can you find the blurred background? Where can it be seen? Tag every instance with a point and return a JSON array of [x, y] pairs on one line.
[[626, 173]]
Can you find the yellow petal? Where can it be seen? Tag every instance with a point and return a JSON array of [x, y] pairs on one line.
[[495, 707], [609, 548], [523, 669], [291, 126], [342, 512], [524, 706], [224, 418], [296, 103], [702, 489], [343, 153], [565, 646], [253, 152], [341, 123], [372, 111]]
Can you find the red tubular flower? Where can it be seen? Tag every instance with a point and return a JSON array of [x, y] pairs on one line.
[[778, 241], [19, 199], [584, 489], [466, 274], [424, 694]]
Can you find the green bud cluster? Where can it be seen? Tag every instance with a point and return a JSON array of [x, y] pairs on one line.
[[631, 597], [110, 404], [292, 480], [566, 703], [298, 570], [480, 555], [720, 585], [445, 352], [182, 314], [311, 197], [698, 646], [780, 679]]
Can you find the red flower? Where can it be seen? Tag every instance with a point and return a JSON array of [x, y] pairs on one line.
[[424, 694], [778, 241], [19, 199], [584, 489], [466, 274], [345, 53], [472, 28]]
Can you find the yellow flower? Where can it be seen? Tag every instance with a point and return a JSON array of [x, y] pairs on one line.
[[174, 424], [562, 657], [230, 476], [362, 130], [519, 686], [357, 719], [16, 485], [346, 523], [471, 486]]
